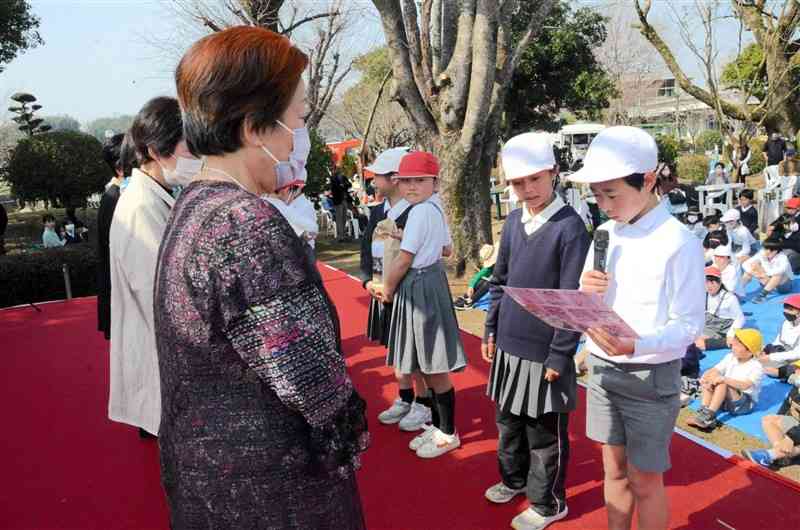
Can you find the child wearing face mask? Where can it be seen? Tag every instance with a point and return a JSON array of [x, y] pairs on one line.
[[423, 334], [694, 222], [780, 356], [743, 245]]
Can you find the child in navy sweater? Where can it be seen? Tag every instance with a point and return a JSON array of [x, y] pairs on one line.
[[532, 379]]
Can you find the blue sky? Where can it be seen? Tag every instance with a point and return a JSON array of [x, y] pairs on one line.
[[99, 58], [94, 62]]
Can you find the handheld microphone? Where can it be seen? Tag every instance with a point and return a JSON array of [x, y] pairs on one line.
[[600, 250]]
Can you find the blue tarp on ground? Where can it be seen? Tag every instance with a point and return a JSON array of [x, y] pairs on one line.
[[767, 317]]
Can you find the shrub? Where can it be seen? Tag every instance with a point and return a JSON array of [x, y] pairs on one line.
[[37, 276], [693, 168], [668, 147], [61, 166]]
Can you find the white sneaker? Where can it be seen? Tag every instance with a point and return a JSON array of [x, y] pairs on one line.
[[438, 444], [395, 413], [422, 438], [418, 416], [531, 520], [501, 494]]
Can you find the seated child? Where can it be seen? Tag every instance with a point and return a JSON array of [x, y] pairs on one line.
[[481, 282], [771, 268], [694, 222], [723, 313], [714, 238], [743, 244], [51, 239], [747, 212], [733, 384], [731, 271], [782, 430], [777, 357]]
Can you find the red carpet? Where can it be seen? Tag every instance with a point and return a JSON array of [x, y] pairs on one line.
[[65, 465]]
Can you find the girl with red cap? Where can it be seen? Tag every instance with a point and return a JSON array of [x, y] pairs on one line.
[[424, 335], [779, 357]]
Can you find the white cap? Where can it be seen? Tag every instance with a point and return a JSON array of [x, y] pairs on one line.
[[526, 154], [730, 215], [388, 161], [617, 152], [722, 250]]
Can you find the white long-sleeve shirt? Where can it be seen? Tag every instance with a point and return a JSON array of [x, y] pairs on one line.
[[741, 240], [732, 278], [725, 305], [789, 338], [657, 285]]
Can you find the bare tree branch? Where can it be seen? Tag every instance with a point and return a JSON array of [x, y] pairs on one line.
[[365, 139], [300, 22], [404, 89]]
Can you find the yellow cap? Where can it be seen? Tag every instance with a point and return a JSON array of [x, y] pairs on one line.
[[751, 338]]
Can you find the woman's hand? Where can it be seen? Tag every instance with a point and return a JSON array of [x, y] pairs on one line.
[[551, 375], [595, 282], [611, 344]]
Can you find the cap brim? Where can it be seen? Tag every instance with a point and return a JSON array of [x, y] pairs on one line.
[[408, 176], [589, 175], [379, 170], [527, 172]]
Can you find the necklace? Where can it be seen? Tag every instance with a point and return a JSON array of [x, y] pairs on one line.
[[226, 174]]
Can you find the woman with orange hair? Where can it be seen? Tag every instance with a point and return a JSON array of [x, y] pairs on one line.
[[261, 426]]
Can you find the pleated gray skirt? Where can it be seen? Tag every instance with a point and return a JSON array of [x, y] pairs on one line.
[[518, 386], [424, 335]]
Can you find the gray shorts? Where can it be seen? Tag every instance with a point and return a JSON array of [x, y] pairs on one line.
[[788, 423], [634, 405]]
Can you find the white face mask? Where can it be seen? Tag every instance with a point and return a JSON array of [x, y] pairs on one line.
[[185, 170], [692, 219]]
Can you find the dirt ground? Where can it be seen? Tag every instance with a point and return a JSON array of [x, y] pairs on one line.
[[345, 256]]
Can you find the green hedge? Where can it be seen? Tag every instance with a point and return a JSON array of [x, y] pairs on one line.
[[693, 168], [36, 276]]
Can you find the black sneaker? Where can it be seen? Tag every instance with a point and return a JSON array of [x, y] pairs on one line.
[[704, 419], [461, 304]]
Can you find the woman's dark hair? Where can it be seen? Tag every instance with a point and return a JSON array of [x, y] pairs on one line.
[[241, 76], [773, 243], [719, 164], [748, 194], [127, 155], [158, 126], [48, 218], [711, 220], [111, 151]]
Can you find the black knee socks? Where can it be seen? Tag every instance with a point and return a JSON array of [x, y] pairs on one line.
[[425, 400], [407, 395], [445, 405]]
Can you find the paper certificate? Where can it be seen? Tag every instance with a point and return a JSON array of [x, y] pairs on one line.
[[571, 310]]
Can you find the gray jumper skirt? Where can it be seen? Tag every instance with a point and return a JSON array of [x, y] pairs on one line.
[[424, 335]]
